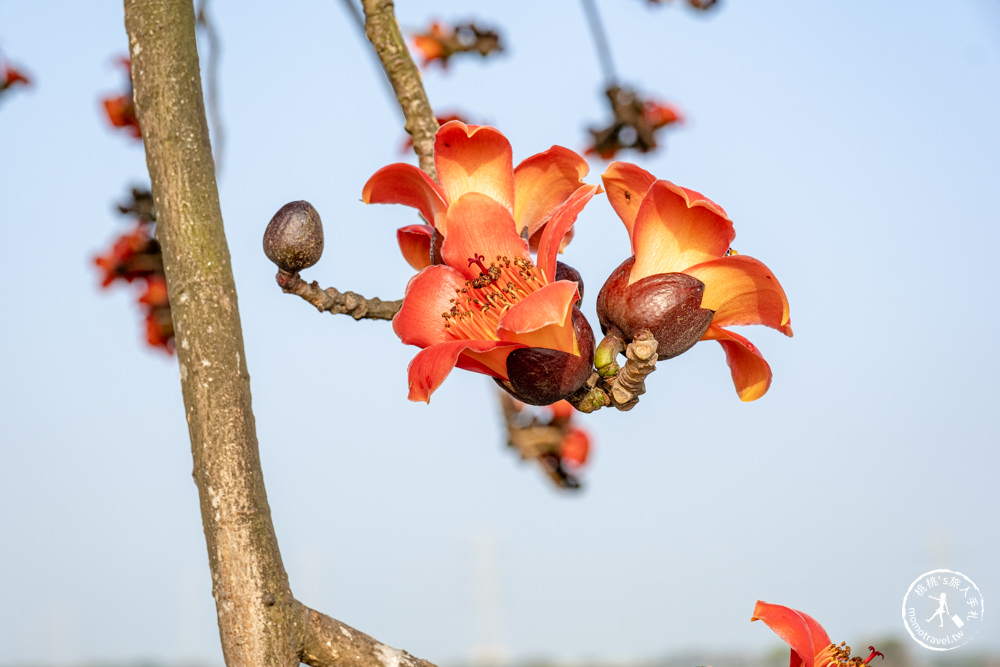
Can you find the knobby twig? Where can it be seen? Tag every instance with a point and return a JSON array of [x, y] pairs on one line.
[[383, 32], [622, 389], [336, 302], [260, 622], [600, 41]]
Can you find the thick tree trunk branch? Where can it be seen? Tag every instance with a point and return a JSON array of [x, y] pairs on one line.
[[260, 623], [248, 578], [383, 32], [326, 642]]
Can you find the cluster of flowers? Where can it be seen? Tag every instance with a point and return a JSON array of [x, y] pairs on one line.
[[440, 42], [490, 296], [135, 257], [549, 436], [634, 125]]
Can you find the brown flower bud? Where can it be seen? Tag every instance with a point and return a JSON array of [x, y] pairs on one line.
[[294, 238], [668, 305], [567, 272]]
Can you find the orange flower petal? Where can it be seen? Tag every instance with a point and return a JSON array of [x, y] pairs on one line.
[[676, 228], [543, 318], [474, 158], [741, 290], [626, 185], [542, 183], [405, 184], [800, 631], [415, 244], [559, 225], [751, 374], [419, 321], [479, 226], [432, 365]]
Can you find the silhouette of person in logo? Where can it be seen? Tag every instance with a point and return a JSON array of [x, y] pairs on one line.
[[941, 610]]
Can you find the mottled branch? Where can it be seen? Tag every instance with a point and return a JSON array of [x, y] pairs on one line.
[[383, 32], [260, 622], [331, 300], [326, 642]]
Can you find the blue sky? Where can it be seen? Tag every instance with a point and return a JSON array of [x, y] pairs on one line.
[[856, 147]]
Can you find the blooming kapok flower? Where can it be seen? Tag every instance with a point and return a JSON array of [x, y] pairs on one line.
[[488, 299], [678, 233], [810, 645], [478, 158]]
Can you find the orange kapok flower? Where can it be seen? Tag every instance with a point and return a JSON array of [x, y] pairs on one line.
[[489, 300], [678, 235], [810, 645], [120, 111], [431, 45], [474, 158]]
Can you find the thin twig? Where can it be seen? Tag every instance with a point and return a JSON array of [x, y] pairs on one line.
[[600, 41], [333, 301], [212, 84]]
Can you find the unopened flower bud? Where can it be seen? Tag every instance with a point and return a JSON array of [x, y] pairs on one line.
[[294, 238], [667, 304]]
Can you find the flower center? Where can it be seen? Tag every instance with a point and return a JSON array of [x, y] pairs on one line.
[[840, 656], [478, 306]]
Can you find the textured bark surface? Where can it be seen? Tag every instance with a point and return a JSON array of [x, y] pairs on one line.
[[260, 623], [248, 579], [383, 32]]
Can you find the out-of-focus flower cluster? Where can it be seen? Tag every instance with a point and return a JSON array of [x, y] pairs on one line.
[[634, 125], [120, 109], [700, 5], [135, 257], [11, 77], [548, 436], [440, 42]]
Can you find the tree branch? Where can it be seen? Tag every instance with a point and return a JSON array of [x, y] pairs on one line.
[[326, 642], [336, 302], [383, 32], [260, 623]]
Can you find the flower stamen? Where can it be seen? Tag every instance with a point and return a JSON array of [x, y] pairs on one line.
[[840, 656], [478, 306]]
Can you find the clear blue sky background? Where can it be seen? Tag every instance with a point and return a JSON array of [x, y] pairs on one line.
[[855, 144]]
